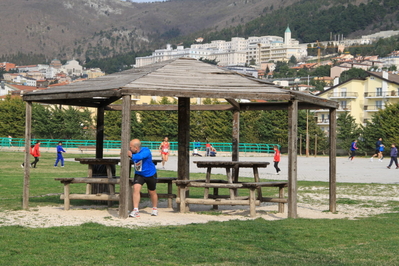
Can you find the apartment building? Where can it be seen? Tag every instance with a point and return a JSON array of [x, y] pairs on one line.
[[281, 50], [361, 97], [238, 51]]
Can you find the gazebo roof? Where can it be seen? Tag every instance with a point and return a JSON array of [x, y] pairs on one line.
[[181, 77]]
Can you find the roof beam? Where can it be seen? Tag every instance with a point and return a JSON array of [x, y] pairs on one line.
[[234, 103], [171, 107]]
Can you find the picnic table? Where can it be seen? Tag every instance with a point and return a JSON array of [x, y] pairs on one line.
[[109, 180], [233, 184]]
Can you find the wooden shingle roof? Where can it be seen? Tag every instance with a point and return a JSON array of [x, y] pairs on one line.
[[183, 77]]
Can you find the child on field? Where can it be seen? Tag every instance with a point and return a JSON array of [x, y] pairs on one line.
[[276, 159], [60, 150], [381, 153], [394, 156]]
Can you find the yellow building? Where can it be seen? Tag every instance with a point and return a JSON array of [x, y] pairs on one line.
[[361, 97]]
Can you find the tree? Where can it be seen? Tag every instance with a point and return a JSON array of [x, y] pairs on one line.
[[383, 124], [12, 112], [293, 60], [352, 73], [55, 122], [347, 130], [158, 124], [113, 125]]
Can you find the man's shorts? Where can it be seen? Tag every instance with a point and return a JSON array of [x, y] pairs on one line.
[[377, 151], [150, 181]]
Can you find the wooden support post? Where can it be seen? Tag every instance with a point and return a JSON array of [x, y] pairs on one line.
[[28, 125], [125, 197], [235, 156], [333, 160], [183, 160], [100, 133], [315, 145], [236, 135], [292, 158]]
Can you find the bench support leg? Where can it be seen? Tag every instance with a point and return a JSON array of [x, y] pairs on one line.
[[215, 196], [256, 175], [208, 180], [170, 200], [281, 196], [66, 196], [252, 198], [182, 193], [111, 187]]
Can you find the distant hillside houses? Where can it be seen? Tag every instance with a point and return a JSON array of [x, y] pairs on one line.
[[238, 51], [55, 72]]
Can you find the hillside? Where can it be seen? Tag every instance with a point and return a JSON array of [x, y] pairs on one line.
[[94, 29], [103, 28]]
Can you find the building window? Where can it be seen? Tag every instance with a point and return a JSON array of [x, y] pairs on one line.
[[343, 92], [342, 104], [378, 104], [379, 91]]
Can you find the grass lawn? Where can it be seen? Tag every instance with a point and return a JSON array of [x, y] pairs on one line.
[[364, 241]]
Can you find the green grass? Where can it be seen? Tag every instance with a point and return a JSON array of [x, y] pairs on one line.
[[363, 241]]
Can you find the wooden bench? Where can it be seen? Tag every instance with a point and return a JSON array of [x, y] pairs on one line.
[[86, 148], [112, 196], [252, 200]]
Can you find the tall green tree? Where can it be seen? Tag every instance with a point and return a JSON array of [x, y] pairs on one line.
[[159, 124], [383, 124], [347, 131], [56, 122], [113, 125], [12, 117]]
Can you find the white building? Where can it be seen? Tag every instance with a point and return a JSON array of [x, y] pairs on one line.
[[5, 89], [279, 50], [72, 67], [238, 51]]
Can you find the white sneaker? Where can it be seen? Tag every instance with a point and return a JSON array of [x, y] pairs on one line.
[[277, 173], [134, 214], [154, 212], [371, 159]]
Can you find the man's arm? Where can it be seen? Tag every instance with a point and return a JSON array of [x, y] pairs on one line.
[[141, 155]]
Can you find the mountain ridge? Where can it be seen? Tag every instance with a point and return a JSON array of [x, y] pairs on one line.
[[105, 28]]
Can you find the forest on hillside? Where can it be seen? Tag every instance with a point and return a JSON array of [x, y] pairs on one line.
[[311, 20]]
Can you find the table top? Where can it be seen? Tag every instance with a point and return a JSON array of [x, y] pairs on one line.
[[230, 164], [114, 160]]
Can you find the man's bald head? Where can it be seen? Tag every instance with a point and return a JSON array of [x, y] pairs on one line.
[[135, 145]]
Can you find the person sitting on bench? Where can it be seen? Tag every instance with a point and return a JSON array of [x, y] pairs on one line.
[[212, 153]]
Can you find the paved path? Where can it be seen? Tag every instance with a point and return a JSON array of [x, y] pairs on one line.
[[360, 170]]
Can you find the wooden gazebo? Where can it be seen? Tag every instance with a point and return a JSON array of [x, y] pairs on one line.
[[184, 78]]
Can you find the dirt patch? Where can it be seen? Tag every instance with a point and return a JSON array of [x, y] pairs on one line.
[[51, 216]]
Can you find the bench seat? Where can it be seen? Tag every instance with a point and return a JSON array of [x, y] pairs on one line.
[[233, 199], [112, 196]]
